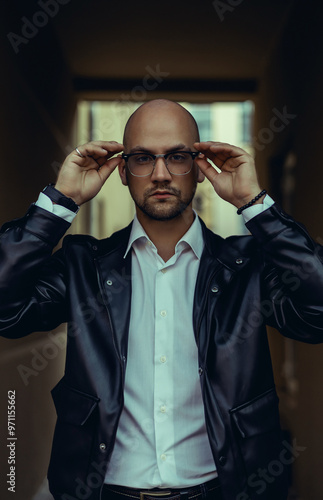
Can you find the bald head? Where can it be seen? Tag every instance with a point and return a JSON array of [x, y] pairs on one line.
[[153, 116]]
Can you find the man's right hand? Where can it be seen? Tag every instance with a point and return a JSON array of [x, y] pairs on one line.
[[82, 178]]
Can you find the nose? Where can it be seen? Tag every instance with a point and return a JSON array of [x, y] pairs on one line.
[[160, 172]]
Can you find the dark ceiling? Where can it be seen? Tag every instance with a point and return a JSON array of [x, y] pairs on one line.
[[205, 39], [221, 44]]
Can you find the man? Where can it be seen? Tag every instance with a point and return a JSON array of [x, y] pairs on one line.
[[168, 390]]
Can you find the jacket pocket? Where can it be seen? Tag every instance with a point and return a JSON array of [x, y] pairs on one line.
[[77, 419], [256, 426], [257, 416], [73, 406]]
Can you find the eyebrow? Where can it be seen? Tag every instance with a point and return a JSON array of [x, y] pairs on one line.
[[176, 147]]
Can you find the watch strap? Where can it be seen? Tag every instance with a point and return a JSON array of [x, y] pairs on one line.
[[60, 199]]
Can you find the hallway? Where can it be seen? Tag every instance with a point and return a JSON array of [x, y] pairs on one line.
[[58, 53]]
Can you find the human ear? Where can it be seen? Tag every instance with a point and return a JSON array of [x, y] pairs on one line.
[[123, 173], [200, 175]]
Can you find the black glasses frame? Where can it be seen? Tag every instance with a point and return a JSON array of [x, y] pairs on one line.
[[126, 157]]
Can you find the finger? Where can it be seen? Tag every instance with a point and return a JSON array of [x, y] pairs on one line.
[[99, 149], [108, 144], [207, 169], [219, 146], [210, 150], [102, 160], [224, 156], [111, 147], [108, 167], [95, 154], [84, 153]]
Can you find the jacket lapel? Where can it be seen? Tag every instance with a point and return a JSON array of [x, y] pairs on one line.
[[114, 276], [221, 259]]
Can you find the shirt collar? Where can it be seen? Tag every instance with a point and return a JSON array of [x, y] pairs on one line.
[[137, 232], [193, 236]]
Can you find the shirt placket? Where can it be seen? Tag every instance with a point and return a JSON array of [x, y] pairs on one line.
[[163, 384]]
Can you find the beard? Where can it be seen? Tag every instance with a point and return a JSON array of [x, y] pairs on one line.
[[163, 209]]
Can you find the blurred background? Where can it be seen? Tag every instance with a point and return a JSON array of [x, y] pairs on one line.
[[250, 72]]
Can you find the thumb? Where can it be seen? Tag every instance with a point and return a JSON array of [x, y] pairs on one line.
[[108, 167], [207, 169]]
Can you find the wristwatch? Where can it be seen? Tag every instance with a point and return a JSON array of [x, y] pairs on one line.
[[60, 199]]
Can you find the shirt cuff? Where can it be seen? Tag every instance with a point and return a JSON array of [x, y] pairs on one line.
[[46, 203], [251, 212]]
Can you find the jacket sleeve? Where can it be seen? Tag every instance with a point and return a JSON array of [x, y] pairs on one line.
[[32, 282], [292, 299]]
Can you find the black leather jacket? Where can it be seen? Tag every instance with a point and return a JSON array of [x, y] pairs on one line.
[[273, 277]]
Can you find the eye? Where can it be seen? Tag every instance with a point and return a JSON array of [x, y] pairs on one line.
[[142, 159], [178, 157]]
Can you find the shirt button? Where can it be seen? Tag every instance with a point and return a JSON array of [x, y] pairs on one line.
[[109, 282], [163, 313], [149, 243], [239, 261], [223, 460], [214, 289], [163, 456], [163, 359], [103, 447], [163, 409], [164, 271]]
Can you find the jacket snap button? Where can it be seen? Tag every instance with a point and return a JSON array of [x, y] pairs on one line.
[[239, 261], [214, 289], [94, 247], [103, 447], [109, 282], [200, 371], [223, 460]]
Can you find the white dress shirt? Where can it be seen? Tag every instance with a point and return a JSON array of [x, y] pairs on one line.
[[161, 438]]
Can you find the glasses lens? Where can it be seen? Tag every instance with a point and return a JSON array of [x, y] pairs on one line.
[[141, 164], [179, 162]]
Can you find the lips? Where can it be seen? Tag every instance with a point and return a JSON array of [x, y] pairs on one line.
[[161, 194]]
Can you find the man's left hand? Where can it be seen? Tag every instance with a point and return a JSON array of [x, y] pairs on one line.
[[237, 182]]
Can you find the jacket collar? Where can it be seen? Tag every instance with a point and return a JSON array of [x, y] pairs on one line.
[[232, 252], [115, 277], [116, 243]]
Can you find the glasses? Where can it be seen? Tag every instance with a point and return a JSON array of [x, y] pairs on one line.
[[143, 164]]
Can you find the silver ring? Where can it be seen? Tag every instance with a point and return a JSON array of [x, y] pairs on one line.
[[79, 153]]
